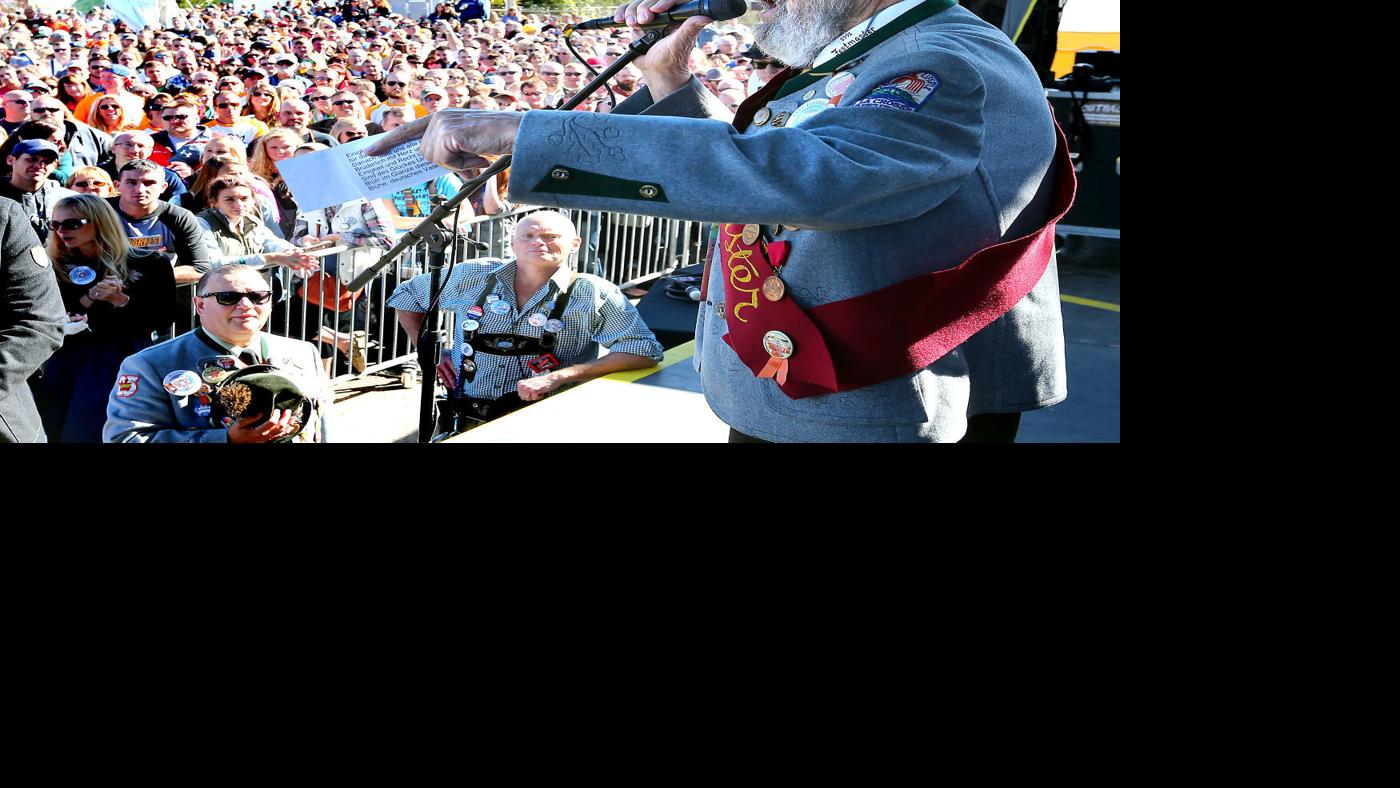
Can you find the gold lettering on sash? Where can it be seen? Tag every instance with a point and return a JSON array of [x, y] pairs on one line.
[[742, 273]]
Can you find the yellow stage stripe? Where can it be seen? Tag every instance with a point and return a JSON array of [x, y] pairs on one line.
[[1089, 302], [675, 355]]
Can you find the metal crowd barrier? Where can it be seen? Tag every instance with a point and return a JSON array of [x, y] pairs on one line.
[[623, 248]]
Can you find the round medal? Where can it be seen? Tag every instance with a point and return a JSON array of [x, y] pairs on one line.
[[500, 308], [761, 117], [808, 111], [777, 344], [838, 84], [182, 383], [468, 365], [554, 326], [773, 288], [467, 350], [538, 319], [470, 325], [82, 275], [750, 233]]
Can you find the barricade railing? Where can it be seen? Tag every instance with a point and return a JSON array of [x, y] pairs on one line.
[[626, 249]]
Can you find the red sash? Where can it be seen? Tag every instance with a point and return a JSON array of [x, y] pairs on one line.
[[892, 332]]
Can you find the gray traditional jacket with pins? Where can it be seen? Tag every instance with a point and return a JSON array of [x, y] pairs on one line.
[[879, 195], [141, 410]]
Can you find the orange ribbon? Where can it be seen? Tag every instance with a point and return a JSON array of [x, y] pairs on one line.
[[775, 367]]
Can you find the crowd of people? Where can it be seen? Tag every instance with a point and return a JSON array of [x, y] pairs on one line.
[[135, 148]]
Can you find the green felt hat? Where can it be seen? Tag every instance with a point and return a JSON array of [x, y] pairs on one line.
[[259, 388]]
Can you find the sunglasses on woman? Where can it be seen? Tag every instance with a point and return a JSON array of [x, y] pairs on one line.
[[68, 224], [83, 185], [232, 297]]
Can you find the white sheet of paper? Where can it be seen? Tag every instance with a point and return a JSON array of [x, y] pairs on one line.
[[344, 173]]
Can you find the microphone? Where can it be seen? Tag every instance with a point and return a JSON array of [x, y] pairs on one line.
[[718, 10]]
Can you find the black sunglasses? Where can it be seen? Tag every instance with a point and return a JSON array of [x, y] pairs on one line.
[[396, 83], [46, 110], [345, 103], [68, 224], [232, 297], [174, 117]]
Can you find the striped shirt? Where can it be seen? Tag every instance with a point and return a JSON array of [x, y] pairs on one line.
[[597, 314]]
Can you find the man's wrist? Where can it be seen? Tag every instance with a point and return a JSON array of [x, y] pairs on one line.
[[664, 83]]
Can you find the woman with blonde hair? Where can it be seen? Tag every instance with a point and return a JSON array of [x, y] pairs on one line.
[[108, 116], [263, 103], [115, 296], [91, 180], [277, 145]]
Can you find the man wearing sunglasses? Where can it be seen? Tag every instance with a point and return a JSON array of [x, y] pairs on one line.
[[17, 112], [345, 104], [181, 145], [228, 122], [165, 393], [395, 87]]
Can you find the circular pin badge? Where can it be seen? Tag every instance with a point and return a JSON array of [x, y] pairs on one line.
[[470, 325], [468, 365], [467, 351], [182, 382], [554, 326], [773, 288], [82, 275], [475, 311], [538, 319], [838, 84], [750, 233], [493, 298], [808, 111], [761, 117], [212, 372], [808, 95], [500, 308], [777, 344]]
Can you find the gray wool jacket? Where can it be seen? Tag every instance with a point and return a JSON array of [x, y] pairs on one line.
[[879, 195]]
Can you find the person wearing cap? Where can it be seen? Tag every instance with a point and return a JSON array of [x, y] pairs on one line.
[[17, 112], [889, 273], [765, 68], [113, 81], [284, 73], [31, 162], [172, 392], [31, 323], [432, 98], [529, 327]]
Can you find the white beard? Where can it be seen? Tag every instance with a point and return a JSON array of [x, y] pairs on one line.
[[798, 33]]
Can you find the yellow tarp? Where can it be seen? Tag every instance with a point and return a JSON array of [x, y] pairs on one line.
[[1069, 42]]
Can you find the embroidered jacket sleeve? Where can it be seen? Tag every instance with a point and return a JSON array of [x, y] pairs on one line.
[[888, 165]]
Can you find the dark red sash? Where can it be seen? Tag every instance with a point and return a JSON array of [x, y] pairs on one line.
[[895, 331]]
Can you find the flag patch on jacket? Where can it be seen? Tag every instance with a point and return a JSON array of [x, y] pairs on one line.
[[908, 92]]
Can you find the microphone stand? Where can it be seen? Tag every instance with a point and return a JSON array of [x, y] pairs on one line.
[[439, 238]]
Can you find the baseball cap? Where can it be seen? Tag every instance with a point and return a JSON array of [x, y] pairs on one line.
[[34, 146], [120, 70], [288, 59]]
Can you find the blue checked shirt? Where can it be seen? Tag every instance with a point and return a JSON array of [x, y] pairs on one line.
[[597, 314]]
